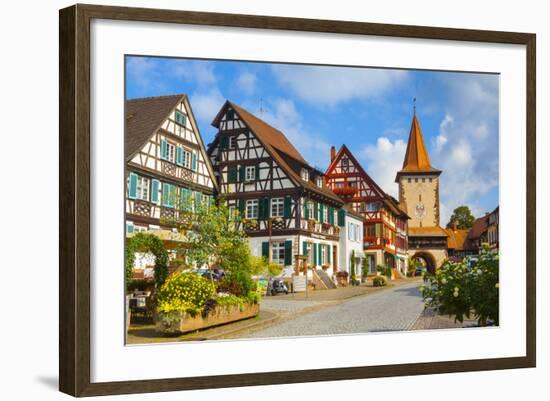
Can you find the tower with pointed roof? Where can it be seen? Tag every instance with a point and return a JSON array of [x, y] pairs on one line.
[[419, 182]]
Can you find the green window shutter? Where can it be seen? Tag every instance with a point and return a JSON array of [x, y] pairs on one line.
[[224, 142], [315, 210], [132, 186], [377, 228], [322, 213], [266, 207], [179, 156], [331, 215], [320, 254], [194, 161], [129, 227], [172, 195], [288, 252], [242, 205], [257, 172], [265, 249], [261, 209], [241, 173], [231, 174], [315, 254], [306, 209], [304, 248], [342, 217], [328, 254], [287, 206], [155, 184], [163, 149], [184, 199]]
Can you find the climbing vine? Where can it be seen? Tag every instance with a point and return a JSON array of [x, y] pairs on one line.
[[142, 242]]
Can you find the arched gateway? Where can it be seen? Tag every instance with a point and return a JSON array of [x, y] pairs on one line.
[[427, 260]]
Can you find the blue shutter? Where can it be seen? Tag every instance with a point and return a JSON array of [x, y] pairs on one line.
[[132, 186], [163, 149], [194, 162], [155, 191], [165, 194], [129, 227], [179, 156]]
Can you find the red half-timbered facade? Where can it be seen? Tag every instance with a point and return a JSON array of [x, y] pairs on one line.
[[385, 226]]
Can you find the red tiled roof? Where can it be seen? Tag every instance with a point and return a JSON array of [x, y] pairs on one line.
[[427, 232], [456, 239]]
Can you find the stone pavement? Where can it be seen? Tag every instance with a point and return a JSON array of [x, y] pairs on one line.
[[391, 309]]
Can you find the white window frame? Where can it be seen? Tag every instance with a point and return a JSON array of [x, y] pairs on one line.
[[250, 173], [186, 158], [278, 252], [232, 142], [324, 251], [251, 211], [170, 152], [325, 214], [345, 162], [142, 188], [277, 207], [320, 181], [305, 174]]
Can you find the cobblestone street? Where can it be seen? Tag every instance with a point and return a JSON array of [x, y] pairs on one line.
[[393, 309]]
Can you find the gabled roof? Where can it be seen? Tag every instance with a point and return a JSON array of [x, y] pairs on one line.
[[144, 116], [388, 200], [279, 147], [416, 159], [456, 239], [478, 228]]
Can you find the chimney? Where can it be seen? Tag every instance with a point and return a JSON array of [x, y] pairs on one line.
[[332, 153]]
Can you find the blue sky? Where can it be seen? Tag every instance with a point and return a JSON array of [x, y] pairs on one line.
[[368, 109]]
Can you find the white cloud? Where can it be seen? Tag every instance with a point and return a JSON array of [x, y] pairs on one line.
[[207, 104], [466, 147], [383, 160], [198, 72], [328, 86], [247, 82], [282, 115]]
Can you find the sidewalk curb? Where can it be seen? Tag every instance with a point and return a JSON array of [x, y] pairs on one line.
[[253, 325]]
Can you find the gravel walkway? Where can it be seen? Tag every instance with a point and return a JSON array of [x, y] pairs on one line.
[[389, 310]]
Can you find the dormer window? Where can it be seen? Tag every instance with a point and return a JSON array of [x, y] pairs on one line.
[[319, 181], [305, 174], [180, 118]]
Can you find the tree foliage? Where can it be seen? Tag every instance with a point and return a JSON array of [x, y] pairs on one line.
[[142, 242], [262, 266], [465, 289], [462, 217]]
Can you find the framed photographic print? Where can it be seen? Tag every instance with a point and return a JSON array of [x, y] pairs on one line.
[[250, 200]]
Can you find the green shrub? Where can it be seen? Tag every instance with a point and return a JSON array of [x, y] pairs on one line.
[[379, 281], [461, 291], [184, 292], [388, 272]]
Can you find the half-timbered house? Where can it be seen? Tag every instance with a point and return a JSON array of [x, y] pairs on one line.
[[385, 222], [288, 208], [167, 167]]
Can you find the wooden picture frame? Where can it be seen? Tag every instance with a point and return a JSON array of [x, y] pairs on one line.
[[75, 207]]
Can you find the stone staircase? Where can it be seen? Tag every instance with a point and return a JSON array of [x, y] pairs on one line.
[[324, 278]]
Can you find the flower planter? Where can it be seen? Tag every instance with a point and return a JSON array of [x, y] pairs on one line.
[[179, 322]]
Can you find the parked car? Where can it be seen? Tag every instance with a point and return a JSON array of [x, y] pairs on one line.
[[278, 287]]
